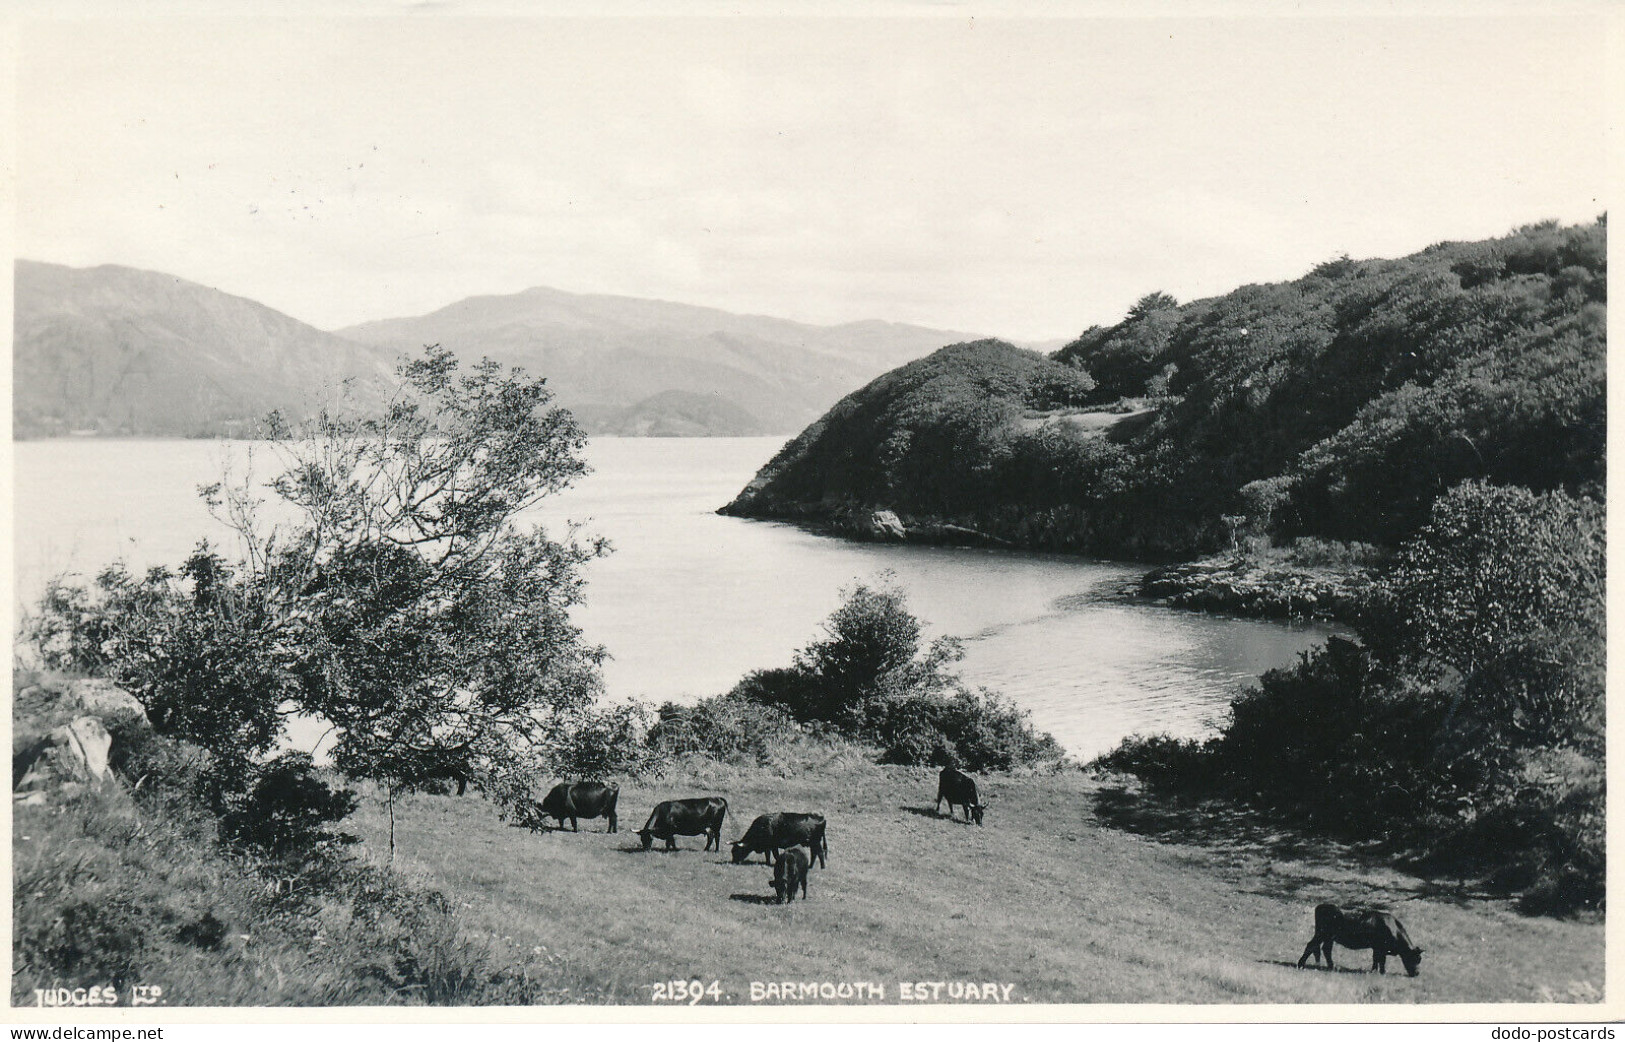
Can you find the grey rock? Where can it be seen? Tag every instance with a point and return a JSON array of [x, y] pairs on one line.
[[884, 524], [75, 753]]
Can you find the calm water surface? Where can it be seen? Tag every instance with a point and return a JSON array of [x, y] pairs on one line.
[[690, 601]]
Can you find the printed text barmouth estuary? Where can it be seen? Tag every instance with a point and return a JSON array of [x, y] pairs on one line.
[[874, 991]]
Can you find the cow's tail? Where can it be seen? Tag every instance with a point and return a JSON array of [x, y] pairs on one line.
[[722, 819]]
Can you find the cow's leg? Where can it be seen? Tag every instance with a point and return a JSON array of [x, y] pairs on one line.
[[1328, 948], [613, 824], [575, 826], [1379, 960]]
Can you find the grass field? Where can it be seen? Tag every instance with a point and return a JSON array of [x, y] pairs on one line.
[[1044, 897]]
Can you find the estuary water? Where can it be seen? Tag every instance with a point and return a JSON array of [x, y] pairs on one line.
[[689, 601]]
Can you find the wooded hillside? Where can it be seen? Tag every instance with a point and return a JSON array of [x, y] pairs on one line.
[[1339, 405]]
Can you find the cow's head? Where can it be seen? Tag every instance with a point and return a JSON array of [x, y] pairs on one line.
[[1412, 960], [976, 812], [647, 837], [740, 853]]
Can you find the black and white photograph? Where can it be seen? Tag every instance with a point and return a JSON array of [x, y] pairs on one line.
[[929, 511]]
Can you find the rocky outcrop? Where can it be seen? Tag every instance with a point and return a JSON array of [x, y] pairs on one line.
[[1242, 587], [53, 699], [65, 731], [73, 754], [885, 525]]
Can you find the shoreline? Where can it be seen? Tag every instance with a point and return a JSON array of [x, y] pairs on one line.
[[1236, 584]]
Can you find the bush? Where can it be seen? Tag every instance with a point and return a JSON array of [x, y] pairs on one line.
[[867, 683], [601, 742], [1163, 762], [1467, 727], [1314, 552], [733, 728], [975, 731], [870, 680], [1495, 565], [288, 812]]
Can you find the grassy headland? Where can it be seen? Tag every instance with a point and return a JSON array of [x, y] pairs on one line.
[[1076, 889], [1045, 897]]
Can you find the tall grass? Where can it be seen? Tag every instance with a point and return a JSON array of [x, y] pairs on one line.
[[111, 890]]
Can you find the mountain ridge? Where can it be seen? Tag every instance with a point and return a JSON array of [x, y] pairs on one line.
[[116, 350]]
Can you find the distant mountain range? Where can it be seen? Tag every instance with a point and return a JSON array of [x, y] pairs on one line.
[[114, 350], [119, 351]]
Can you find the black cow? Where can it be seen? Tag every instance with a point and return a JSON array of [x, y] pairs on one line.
[[772, 833], [675, 818], [789, 872], [1361, 928], [958, 788], [574, 800]]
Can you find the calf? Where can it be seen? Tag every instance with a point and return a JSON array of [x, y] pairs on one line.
[[771, 833], [958, 788], [1361, 928], [575, 800], [789, 872], [675, 818]]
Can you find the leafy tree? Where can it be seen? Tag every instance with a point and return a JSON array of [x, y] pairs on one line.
[[398, 595], [871, 679], [1494, 566], [192, 646], [1468, 723], [1152, 303], [869, 639]]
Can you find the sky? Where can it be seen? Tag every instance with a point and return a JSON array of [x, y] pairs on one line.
[[1017, 177]]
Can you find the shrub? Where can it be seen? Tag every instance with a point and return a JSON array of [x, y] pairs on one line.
[[976, 731], [870, 680], [600, 742], [1495, 565], [1161, 761], [288, 812], [733, 728], [1314, 552], [1468, 725]]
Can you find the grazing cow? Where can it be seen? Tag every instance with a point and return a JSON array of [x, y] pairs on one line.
[[675, 818], [958, 788], [1361, 928], [789, 872], [772, 833], [574, 800]]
